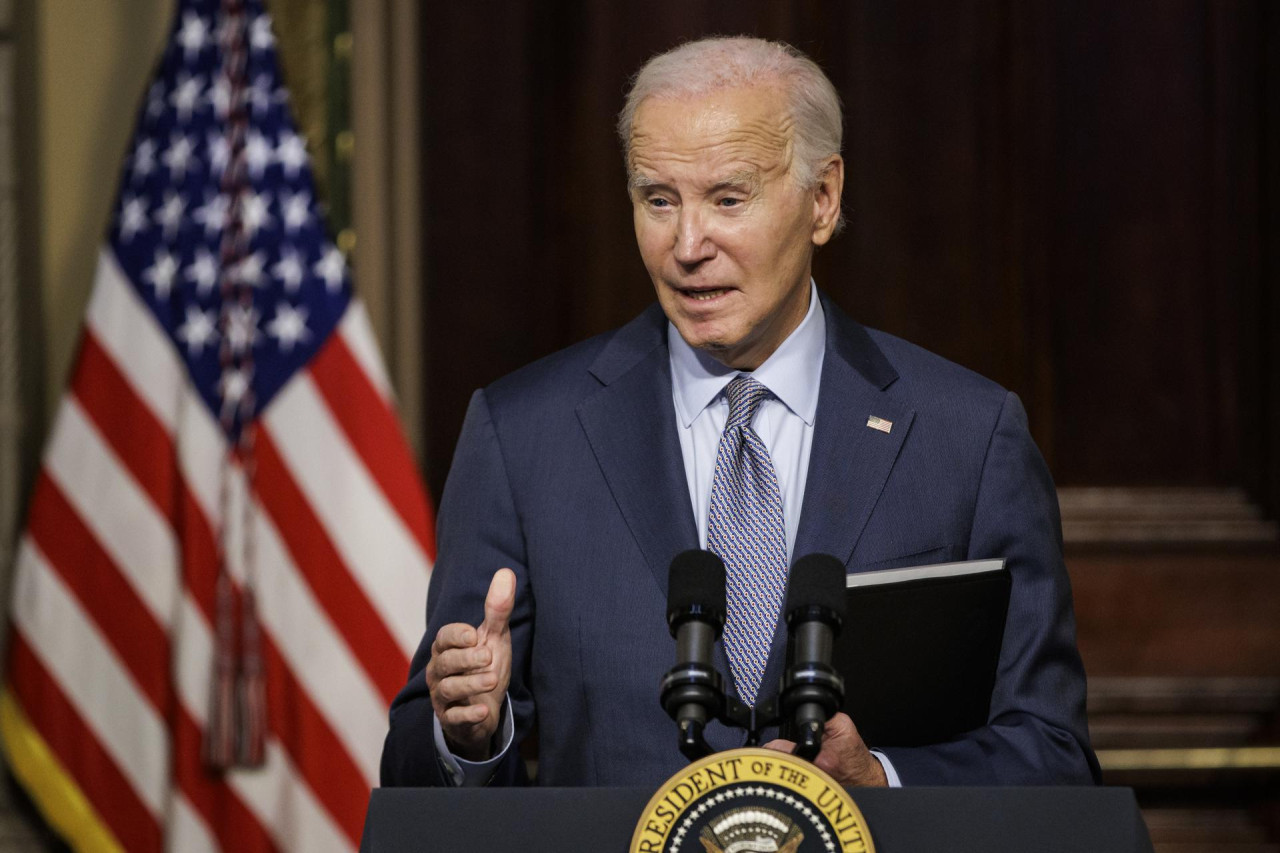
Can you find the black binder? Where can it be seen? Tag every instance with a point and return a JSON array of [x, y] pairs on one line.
[[919, 650]]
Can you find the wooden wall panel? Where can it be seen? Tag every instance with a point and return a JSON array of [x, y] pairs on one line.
[[1068, 198], [1080, 200]]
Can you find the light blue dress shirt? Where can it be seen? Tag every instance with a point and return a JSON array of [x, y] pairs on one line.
[[784, 420]]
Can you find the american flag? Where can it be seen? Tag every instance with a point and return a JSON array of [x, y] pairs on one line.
[[228, 422]]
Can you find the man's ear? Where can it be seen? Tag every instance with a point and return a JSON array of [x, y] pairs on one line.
[[826, 200]]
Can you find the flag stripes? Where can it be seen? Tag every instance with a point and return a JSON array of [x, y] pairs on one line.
[[321, 758], [327, 693], [326, 573], [101, 390], [125, 330], [106, 752], [128, 526], [216, 807], [359, 519], [71, 551], [367, 419], [187, 832], [77, 749], [338, 687]]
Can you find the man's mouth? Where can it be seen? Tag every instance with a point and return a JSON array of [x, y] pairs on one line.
[[705, 295]]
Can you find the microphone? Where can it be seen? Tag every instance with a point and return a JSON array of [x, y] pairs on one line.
[[812, 690], [692, 692]]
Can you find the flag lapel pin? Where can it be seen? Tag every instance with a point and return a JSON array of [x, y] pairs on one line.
[[880, 424]]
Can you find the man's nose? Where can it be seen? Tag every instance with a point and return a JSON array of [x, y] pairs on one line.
[[693, 243]]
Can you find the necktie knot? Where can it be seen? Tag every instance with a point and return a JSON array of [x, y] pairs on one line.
[[745, 394]]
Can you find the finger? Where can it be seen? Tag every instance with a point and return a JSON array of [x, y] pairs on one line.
[[499, 603], [464, 715], [456, 635], [827, 762], [464, 688], [781, 745], [460, 661], [840, 726]]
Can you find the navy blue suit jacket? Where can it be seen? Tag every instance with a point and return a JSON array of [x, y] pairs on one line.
[[569, 471]]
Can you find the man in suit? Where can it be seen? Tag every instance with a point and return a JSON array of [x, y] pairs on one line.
[[746, 414]]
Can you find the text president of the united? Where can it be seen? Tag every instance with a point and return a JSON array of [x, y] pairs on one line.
[[740, 406]]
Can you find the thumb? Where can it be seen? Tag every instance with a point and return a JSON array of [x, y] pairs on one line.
[[498, 603]]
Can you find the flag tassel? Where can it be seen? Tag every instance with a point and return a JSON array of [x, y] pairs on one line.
[[219, 734]]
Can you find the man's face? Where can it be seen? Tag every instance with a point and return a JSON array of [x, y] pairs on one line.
[[724, 231]]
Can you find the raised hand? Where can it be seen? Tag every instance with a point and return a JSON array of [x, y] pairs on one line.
[[469, 671]]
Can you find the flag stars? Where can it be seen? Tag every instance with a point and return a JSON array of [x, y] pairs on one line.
[[161, 273], [242, 327], [198, 331], [179, 156], [143, 162], [289, 326], [233, 385], [258, 153], [260, 35], [219, 148], [254, 212], [203, 271], [219, 97], [332, 268], [185, 96], [289, 270], [213, 214], [249, 269], [169, 214], [193, 35], [291, 153], [133, 217], [296, 210], [261, 94]]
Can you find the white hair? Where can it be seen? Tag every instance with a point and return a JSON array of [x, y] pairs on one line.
[[698, 67]]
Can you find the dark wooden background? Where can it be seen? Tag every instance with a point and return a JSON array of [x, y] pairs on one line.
[[1080, 200]]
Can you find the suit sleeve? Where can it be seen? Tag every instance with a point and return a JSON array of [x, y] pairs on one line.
[[478, 532], [1037, 733]]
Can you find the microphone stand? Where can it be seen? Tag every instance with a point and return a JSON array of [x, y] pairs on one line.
[[807, 683], [703, 687]]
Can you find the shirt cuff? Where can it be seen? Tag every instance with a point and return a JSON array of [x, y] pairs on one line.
[[889, 772], [474, 774]]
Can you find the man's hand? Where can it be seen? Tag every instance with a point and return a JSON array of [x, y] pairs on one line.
[[469, 671], [844, 756]]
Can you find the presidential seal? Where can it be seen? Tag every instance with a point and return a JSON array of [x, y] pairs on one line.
[[751, 801]]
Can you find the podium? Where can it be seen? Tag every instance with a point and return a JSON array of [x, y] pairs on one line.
[[904, 820]]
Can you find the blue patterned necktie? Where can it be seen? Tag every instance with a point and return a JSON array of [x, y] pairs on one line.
[[745, 529]]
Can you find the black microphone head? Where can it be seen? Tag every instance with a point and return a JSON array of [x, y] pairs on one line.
[[816, 582], [695, 589]]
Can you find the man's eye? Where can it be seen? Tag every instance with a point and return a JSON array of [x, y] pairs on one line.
[[659, 202], [730, 202]]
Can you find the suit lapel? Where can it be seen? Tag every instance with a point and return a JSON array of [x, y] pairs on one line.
[[849, 462], [630, 424]]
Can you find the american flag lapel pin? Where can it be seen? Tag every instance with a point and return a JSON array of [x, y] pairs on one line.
[[880, 424]]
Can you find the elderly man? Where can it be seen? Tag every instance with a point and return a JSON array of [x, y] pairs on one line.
[[737, 409]]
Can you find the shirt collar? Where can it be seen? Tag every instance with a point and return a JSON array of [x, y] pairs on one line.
[[792, 373]]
